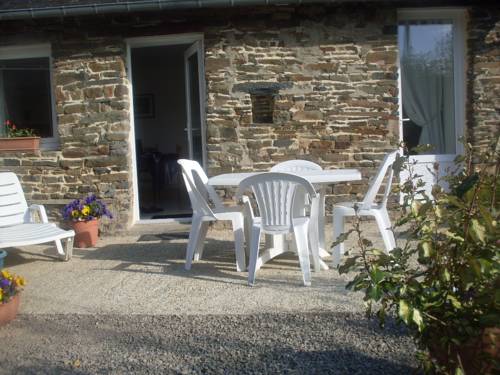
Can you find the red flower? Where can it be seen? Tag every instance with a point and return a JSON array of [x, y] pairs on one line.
[[7, 122], [13, 127]]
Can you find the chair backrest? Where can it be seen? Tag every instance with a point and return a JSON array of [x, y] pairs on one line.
[[375, 184], [275, 195], [13, 206], [197, 186], [293, 166]]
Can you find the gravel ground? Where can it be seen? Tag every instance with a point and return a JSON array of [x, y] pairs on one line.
[[306, 343], [129, 306]]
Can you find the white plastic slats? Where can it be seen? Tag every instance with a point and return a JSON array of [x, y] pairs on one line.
[[199, 191], [12, 202], [30, 234]]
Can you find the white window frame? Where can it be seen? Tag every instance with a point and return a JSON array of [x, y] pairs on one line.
[[37, 51], [458, 18]]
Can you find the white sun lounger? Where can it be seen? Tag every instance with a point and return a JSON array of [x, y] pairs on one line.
[[17, 221]]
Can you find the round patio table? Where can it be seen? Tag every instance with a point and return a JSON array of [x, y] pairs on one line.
[[321, 179]]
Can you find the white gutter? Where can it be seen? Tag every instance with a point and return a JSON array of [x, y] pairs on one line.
[[141, 6]]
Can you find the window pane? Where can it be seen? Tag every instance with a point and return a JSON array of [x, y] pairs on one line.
[[426, 51], [25, 94]]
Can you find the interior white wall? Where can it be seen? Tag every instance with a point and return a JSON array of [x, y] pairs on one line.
[[160, 71]]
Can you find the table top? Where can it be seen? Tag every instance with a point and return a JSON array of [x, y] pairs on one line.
[[329, 176]]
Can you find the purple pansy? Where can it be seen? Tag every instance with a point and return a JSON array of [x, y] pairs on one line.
[[97, 209]]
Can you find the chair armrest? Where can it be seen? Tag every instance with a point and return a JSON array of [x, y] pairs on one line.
[[247, 207], [41, 213]]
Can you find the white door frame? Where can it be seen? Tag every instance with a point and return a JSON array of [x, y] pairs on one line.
[[196, 48], [158, 41], [457, 16]]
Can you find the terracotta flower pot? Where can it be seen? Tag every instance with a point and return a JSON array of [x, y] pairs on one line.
[[86, 233], [473, 353], [8, 311], [20, 144]]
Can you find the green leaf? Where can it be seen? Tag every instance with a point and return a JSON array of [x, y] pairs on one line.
[[459, 371], [348, 265], [373, 292], [454, 301], [415, 207], [341, 238], [417, 318], [398, 164], [446, 275], [453, 236], [427, 250], [404, 311], [477, 231], [466, 185], [451, 199], [377, 275], [488, 219]]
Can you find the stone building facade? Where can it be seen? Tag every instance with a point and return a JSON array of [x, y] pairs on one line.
[[332, 71]]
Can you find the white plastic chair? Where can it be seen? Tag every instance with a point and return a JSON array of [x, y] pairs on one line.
[[17, 221], [368, 207], [275, 194], [297, 166], [200, 194]]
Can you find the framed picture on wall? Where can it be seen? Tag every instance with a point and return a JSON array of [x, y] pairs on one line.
[[144, 106]]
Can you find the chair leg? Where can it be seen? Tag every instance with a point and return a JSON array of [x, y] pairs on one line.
[[65, 252], [254, 254], [322, 218], [384, 226], [239, 242], [194, 238], [301, 239], [338, 229], [314, 242], [198, 251], [69, 249]]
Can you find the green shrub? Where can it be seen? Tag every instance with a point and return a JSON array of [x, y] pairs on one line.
[[442, 281]]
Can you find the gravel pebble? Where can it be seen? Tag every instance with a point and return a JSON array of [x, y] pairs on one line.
[[305, 343]]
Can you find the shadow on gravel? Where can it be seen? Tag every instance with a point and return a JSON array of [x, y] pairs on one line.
[[307, 343], [16, 256], [167, 258]]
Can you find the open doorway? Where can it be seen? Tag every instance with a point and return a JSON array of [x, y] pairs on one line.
[[167, 125]]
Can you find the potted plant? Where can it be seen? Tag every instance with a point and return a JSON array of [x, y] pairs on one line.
[[10, 287], [19, 139], [84, 216], [443, 281]]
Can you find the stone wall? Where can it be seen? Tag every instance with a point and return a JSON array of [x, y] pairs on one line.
[[92, 105], [331, 72], [333, 75], [483, 110]]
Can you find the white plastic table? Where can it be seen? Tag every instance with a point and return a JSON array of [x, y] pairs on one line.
[[321, 179]]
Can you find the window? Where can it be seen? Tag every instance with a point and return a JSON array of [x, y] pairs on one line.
[[26, 91], [432, 80], [262, 108]]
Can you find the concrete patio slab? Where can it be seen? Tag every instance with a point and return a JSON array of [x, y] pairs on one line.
[[129, 307], [143, 273]]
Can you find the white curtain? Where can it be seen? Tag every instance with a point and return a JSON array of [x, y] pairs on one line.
[[427, 91]]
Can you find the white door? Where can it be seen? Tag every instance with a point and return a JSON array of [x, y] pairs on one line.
[[195, 102], [432, 78]]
